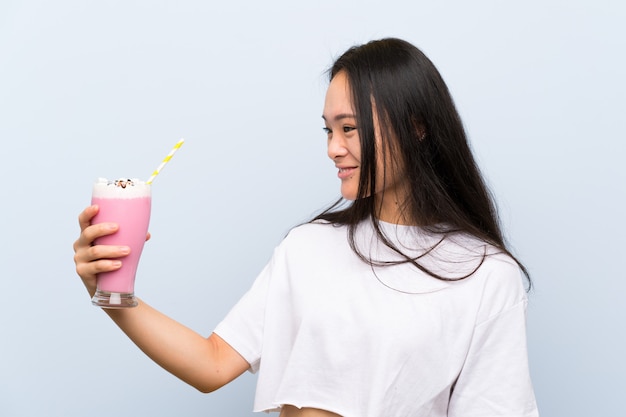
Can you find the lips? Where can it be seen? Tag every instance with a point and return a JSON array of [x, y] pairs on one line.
[[346, 172]]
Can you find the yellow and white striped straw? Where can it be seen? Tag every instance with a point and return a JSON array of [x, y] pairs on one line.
[[165, 161]]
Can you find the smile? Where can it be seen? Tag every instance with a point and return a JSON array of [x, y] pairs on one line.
[[346, 172]]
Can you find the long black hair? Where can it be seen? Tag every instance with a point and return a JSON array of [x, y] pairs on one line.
[[393, 81]]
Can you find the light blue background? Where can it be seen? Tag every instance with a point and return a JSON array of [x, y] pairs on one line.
[[105, 88]]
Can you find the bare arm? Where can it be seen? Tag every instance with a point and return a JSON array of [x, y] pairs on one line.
[[205, 363]]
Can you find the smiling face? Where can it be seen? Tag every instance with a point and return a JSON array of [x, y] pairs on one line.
[[344, 148]]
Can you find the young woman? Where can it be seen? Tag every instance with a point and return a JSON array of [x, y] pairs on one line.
[[400, 300]]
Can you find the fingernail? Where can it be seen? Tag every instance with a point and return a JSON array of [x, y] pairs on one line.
[[111, 226], [116, 264], [124, 250]]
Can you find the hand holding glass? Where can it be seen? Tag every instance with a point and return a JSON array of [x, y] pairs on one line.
[[127, 203]]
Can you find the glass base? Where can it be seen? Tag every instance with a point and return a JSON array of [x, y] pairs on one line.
[[107, 299]]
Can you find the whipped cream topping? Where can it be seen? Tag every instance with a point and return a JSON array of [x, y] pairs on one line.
[[121, 188]]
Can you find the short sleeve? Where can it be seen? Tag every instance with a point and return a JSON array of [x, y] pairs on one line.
[[243, 326], [495, 379]]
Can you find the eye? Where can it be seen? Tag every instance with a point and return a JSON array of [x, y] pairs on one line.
[[327, 130], [348, 129]]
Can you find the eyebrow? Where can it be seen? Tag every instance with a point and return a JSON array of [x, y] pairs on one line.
[[341, 116]]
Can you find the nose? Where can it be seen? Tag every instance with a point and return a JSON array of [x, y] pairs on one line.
[[336, 146]]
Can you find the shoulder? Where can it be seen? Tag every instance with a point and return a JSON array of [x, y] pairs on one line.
[[502, 285], [493, 262], [314, 233], [309, 242], [497, 281]]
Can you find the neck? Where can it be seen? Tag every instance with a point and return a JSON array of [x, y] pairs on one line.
[[392, 209]]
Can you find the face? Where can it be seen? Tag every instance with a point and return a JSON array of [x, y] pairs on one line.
[[344, 148]]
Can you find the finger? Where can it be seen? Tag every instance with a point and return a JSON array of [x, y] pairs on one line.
[[91, 233], [84, 218], [88, 254], [89, 270], [148, 236]]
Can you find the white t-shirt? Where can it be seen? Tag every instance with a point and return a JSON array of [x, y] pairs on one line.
[[326, 330]]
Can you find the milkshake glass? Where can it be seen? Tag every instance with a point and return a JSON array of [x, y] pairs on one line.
[[125, 202]]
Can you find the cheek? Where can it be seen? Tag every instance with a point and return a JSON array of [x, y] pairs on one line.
[[355, 149]]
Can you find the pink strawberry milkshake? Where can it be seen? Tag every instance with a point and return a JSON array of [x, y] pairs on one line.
[[125, 202]]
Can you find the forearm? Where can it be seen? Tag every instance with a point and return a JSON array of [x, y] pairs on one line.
[[205, 363]]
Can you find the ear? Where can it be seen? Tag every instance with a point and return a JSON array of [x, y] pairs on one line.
[[421, 132], [420, 129]]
